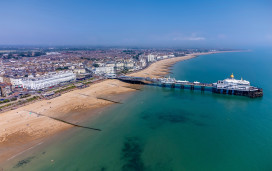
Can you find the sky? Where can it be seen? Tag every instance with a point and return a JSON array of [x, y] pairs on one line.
[[154, 23]]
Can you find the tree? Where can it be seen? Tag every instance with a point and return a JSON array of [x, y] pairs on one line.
[[95, 65]]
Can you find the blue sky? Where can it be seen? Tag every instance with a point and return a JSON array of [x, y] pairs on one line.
[[176, 23]]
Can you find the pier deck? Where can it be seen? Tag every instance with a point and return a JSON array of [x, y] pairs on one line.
[[251, 92]]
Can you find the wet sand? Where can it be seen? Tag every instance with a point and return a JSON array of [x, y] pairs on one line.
[[22, 129]]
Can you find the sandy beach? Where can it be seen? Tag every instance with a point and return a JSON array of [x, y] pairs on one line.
[[22, 128]]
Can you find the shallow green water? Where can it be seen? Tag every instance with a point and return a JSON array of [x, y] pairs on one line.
[[173, 129]]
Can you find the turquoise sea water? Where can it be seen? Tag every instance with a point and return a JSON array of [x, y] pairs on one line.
[[172, 129]]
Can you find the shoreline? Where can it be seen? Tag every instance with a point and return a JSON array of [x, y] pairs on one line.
[[22, 130]]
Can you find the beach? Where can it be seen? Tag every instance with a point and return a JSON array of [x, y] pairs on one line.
[[24, 128]]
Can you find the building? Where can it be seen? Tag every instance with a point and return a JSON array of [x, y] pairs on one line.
[[104, 70], [151, 58], [1, 78], [119, 66], [129, 65], [143, 62], [52, 53], [48, 80], [232, 84], [5, 89], [15, 81], [79, 70], [110, 64]]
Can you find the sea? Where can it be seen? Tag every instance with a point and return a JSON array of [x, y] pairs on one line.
[[167, 129]]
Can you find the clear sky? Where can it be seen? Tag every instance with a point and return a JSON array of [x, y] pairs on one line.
[[181, 23]]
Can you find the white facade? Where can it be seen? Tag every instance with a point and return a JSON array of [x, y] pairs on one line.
[[236, 82], [119, 66], [79, 70], [52, 53], [110, 65], [104, 70], [129, 65], [16, 81], [164, 57], [232, 84], [151, 58], [48, 80], [143, 62]]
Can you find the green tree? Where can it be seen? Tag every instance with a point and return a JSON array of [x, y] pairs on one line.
[[96, 65]]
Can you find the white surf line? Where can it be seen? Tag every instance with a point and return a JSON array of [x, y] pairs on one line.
[[25, 151]]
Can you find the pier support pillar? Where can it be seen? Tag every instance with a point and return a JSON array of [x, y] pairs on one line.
[[230, 92], [192, 87], [214, 90], [182, 86], [172, 85], [202, 88]]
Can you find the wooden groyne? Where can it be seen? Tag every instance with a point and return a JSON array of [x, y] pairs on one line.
[[57, 119], [132, 88], [84, 94], [102, 98]]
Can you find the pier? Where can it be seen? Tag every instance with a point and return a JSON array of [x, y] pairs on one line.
[[228, 86]]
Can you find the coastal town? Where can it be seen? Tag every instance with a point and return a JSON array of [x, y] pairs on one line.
[[27, 75], [35, 99], [135, 85], [45, 95]]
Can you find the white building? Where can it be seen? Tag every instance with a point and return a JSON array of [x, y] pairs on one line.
[[16, 81], [52, 53], [1, 79], [112, 64], [119, 66], [129, 65], [104, 70], [232, 84], [143, 62], [48, 80], [79, 70], [159, 58], [151, 58], [164, 57]]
